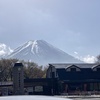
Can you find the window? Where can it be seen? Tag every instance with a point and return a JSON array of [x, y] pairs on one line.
[[73, 69], [52, 74]]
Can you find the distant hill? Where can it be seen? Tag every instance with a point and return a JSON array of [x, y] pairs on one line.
[[42, 53]]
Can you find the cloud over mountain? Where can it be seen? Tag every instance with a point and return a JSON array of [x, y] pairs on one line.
[[4, 50]]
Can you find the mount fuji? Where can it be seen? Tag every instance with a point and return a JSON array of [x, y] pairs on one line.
[[41, 52]]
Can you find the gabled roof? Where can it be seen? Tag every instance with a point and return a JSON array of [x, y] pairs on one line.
[[66, 65], [72, 66], [95, 66], [86, 72]]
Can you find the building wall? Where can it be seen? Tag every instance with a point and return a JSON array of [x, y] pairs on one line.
[[51, 70], [43, 86], [81, 79]]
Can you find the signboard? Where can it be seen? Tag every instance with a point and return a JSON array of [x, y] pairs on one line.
[[38, 88], [30, 89]]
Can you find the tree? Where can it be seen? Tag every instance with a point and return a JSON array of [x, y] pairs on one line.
[[31, 69], [98, 59], [6, 66]]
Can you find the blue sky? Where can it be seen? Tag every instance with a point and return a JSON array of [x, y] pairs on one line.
[[71, 25]]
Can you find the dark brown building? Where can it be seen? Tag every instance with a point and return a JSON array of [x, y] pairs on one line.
[[76, 77], [60, 79]]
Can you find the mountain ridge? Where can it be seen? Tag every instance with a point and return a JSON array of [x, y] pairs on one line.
[[41, 52]]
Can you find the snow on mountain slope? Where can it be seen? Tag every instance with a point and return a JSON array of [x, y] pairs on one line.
[[41, 52], [4, 50]]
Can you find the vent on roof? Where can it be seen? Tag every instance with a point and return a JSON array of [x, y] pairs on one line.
[[73, 68], [96, 68]]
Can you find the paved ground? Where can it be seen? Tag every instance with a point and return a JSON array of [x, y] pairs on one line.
[[91, 97], [87, 99]]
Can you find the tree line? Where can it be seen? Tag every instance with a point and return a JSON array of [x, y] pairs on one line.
[[31, 70]]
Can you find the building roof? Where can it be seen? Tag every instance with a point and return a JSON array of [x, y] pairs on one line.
[[67, 65], [6, 83], [18, 64], [38, 80]]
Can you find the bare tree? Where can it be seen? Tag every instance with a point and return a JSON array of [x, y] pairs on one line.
[[98, 59], [31, 69]]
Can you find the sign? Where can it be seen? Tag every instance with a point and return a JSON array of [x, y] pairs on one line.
[[30, 89], [38, 88]]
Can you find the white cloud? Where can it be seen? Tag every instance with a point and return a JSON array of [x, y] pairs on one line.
[[2, 53], [76, 53], [86, 59], [89, 59], [4, 49]]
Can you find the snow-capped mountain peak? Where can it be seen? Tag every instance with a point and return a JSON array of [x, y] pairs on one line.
[[41, 52]]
